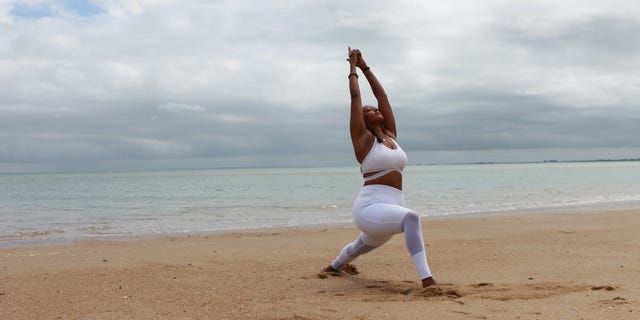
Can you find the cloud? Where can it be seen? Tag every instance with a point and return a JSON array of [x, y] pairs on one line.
[[153, 80], [180, 107]]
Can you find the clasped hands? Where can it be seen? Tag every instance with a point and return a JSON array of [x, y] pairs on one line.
[[355, 58]]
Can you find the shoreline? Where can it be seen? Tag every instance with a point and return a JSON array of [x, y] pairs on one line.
[[577, 209], [544, 265]]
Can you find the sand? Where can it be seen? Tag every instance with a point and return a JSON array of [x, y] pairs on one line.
[[578, 265]]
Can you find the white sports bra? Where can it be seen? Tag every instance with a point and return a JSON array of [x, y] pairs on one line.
[[384, 159]]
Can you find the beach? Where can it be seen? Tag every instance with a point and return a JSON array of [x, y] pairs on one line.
[[543, 265]]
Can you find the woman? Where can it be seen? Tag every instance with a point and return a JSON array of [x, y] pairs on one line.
[[379, 210]]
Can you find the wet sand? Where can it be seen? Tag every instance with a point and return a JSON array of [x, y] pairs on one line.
[[579, 265]]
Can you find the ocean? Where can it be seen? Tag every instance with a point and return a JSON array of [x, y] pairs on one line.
[[56, 208]]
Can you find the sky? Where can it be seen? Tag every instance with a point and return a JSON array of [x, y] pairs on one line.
[[99, 85]]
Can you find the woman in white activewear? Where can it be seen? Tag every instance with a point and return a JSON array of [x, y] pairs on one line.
[[379, 210]]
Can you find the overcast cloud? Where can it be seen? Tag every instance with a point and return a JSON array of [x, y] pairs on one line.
[[130, 84]]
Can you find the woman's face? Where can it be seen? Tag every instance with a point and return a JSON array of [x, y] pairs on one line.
[[372, 116]]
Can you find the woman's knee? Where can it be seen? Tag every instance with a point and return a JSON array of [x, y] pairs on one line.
[[411, 217]]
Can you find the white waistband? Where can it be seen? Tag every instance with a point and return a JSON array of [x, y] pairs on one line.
[[377, 193]]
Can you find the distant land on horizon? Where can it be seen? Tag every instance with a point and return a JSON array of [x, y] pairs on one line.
[[558, 161]]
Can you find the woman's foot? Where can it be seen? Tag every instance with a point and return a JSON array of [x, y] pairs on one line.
[[428, 282], [330, 269]]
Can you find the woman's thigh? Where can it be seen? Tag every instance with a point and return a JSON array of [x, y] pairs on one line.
[[380, 221]]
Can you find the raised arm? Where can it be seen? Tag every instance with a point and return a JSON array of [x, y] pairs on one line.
[[357, 125], [378, 91]]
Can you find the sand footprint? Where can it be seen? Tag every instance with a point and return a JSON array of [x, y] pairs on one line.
[[607, 288], [481, 290], [615, 301], [375, 290], [505, 292], [402, 291]]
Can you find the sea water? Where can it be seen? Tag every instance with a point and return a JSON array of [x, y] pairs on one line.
[[43, 209]]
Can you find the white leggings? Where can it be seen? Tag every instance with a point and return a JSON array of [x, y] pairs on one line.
[[379, 214]]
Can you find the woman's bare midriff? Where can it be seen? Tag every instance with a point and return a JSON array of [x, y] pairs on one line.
[[391, 179]]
